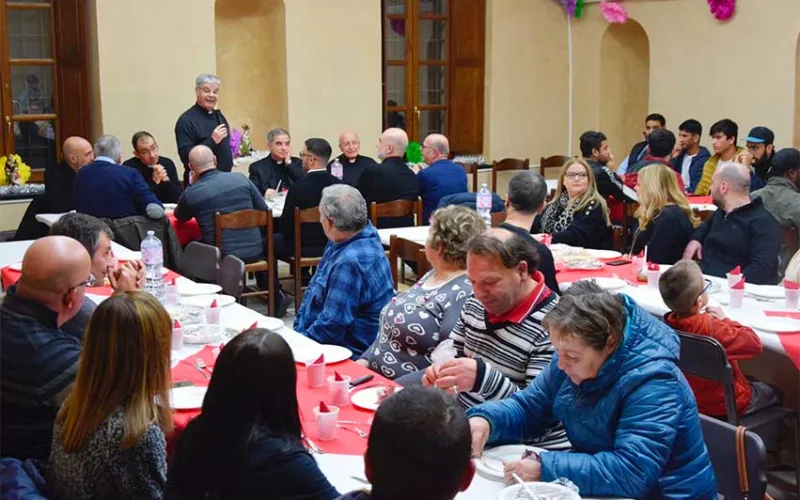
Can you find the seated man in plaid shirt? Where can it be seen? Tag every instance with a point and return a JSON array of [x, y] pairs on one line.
[[344, 299]]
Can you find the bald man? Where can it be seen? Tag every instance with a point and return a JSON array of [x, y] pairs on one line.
[[353, 163], [392, 179], [442, 177], [39, 358], [740, 233]]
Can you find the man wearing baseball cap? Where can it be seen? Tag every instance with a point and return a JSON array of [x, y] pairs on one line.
[[760, 144], [781, 196]]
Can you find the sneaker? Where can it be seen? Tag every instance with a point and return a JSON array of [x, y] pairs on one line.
[[283, 305]]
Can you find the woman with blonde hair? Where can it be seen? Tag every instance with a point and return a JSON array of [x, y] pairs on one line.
[[109, 437], [577, 215], [666, 221]]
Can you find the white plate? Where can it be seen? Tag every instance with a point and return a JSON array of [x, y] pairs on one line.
[[170, 207], [17, 266], [541, 490], [765, 291], [491, 463], [206, 300], [777, 325], [206, 334], [187, 398], [367, 399], [274, 324], [198, 288], [333, 353], [608, 283], [603, 254]]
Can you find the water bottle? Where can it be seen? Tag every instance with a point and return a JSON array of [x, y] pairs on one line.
[[153, 258], [337, 170], [483, 202]]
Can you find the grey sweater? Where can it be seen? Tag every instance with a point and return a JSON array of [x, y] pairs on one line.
[[102, 470]]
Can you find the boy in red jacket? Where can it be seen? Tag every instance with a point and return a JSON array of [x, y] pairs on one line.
[[683, 289]]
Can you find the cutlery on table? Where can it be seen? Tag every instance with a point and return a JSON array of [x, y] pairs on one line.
[[361, 380], [313, 446], [353, 429], [201, 367], [360, 480], [527, 488]]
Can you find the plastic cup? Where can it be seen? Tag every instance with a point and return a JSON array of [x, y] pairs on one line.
[[212, 315], [171, 296], [638, 263], [733, 279], [792, 299], [652, 278], [177, 339], [737, 298], [315, 373], [338, 390], [440, 357], [326, 423]]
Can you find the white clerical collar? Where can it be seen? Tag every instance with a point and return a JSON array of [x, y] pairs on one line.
[[316, 170]]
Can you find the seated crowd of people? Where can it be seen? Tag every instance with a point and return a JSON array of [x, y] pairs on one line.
[[587, 374]]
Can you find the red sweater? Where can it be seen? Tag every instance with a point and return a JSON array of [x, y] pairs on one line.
[[740, 342]]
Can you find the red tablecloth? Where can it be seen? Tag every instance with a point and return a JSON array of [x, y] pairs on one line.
[[697, 200], [346, 442], [187, 231], [10, 276]]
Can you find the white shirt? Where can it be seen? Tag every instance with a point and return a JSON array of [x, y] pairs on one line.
[[687, 162]]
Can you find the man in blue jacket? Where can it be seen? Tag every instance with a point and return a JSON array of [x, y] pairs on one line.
[[691, 156], [106, 189], [442, 177]]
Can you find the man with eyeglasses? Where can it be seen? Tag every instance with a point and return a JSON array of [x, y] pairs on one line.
[[39, 358], [353, 163], [441, 177], [158, 171]]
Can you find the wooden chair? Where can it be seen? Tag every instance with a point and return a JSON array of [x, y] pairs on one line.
[[498, 218], [551, 162], [298, 262], [619, 238], [397, 208], [791, 243], [628, 214], [247, 219], [37, 176], [471, 169], [507, 164], [401, 250]]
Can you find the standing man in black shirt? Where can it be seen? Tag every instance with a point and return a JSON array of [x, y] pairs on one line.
[[159, 172], [206, 125], [352, 162], [279, 169]]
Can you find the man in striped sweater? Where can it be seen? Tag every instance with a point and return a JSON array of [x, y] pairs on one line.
[[500, 342]]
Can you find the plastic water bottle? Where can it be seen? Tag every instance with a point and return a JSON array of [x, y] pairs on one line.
[[153, 258], [483, 202], [337, 170]]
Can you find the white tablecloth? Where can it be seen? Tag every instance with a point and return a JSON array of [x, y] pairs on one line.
[[417, 234], [12, 252]]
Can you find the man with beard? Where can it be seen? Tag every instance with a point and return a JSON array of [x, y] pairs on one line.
[[741, 233], [353, 164], [760, 144], [206, 125], [654, 121], [279, 170]]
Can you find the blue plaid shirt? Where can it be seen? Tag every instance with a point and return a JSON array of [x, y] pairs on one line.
[[344, 299]]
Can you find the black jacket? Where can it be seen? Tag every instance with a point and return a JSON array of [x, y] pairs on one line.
[[194, 127], [588, 229], [608, 183], [749, 237], [389, 181], [352, 170], [266, 173], [666, 236], [306, 193], [58, 182], [166, 192]]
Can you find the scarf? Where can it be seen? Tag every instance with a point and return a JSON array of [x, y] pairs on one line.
[[557, 216]]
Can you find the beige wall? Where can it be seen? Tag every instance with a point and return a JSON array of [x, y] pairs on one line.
[[700, 68]]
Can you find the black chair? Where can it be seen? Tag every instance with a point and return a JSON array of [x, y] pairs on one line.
[[704, 357], [231, 276], [200, 262], [727, 451]]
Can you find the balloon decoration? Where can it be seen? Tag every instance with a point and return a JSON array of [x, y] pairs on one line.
[[722, 10], [614, 12]]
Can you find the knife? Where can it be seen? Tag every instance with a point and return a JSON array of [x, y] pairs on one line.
[[361, 380]]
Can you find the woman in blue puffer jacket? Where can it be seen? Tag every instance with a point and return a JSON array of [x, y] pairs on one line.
[[627, 409]]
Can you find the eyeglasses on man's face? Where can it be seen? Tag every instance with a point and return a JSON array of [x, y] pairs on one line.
[[91, 281]]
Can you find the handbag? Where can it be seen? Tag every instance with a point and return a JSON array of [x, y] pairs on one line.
[[741, 464]]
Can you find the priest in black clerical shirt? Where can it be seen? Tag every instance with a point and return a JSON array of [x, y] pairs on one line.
[[352, 162], [158, 171], [279, 169], [206, 125]]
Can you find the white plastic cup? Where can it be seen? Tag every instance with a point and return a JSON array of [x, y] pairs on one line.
[[792, 299], [733, 279], [212, 315], [315, 373], [171, 296], [652, 278], [326, 423], [737, 298], [442, 356], [177, 339], [338, 390], [638, 263]]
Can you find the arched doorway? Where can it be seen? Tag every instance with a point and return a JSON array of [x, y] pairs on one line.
[[251, 61], [624, 84]]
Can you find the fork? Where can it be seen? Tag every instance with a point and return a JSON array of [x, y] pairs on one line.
[[353, 429], [201, 366]]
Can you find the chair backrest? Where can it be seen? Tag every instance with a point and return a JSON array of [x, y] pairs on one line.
[[37, 176], [720, 439], [243, 219], [790, 239], [306, 216], [507, 164], [397, 208], [551, 162], [231, 276], [498, 218], [704, 357], [400, 250], [200, 262], [471, 169]]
